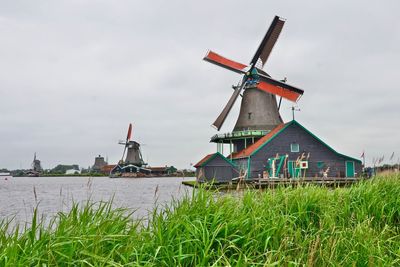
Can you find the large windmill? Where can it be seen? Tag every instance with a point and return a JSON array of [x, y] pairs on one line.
[[263, 146], [259, 110]]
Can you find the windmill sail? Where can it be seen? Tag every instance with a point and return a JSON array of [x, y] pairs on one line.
[[221, 118], [224, 62], [128, 137], [279, 88], [270, 38]]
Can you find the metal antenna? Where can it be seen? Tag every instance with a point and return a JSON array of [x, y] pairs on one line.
[[293, 110]]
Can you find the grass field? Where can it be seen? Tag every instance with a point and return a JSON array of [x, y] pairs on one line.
[[312, 226]]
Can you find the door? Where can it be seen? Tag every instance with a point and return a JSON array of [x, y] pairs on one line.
[[294, 171], [349, 168], [290, 168]]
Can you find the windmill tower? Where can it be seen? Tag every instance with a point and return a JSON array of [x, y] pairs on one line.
[[132, 149], [36, 166], [259, 110]]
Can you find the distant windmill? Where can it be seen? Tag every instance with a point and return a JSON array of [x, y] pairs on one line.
[[36, 166], [132, 150]]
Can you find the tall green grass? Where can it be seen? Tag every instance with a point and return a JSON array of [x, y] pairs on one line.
[[312, 226]]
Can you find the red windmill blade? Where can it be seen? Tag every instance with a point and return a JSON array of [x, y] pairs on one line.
[[282, 89], [224, 62], [128, 137]]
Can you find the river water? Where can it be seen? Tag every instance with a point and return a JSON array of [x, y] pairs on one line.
[[20, 195]]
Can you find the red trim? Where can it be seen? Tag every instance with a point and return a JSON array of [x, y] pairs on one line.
[[198, 164], [250, 149]]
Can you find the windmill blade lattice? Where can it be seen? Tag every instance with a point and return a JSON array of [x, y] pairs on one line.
[[268, 42]]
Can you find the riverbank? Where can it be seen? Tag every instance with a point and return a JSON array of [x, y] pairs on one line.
[[308, 225], [273, 183]]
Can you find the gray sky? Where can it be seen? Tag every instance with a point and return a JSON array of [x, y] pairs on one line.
[[75, 73]]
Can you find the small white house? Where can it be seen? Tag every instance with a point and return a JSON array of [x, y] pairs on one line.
[[72, 171]]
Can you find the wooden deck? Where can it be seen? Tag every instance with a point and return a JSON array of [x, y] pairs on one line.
[[335, 182], [274, 182]]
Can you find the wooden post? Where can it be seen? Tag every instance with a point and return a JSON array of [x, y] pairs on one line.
[[230, 148]]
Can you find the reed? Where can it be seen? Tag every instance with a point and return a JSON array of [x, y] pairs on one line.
[[309, 225]]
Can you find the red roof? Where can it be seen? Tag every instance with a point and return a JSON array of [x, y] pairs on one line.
[[198, 164], [107, 168], [253, 147]]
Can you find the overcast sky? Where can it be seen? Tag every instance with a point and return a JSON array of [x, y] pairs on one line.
[[74, 74]]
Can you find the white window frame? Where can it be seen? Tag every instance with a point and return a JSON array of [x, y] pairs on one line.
[[292, 145]]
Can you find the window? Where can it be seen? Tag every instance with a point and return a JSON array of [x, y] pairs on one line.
[[294, 147]]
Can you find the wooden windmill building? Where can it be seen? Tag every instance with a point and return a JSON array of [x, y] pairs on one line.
[[133, 163], [261, 144]]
